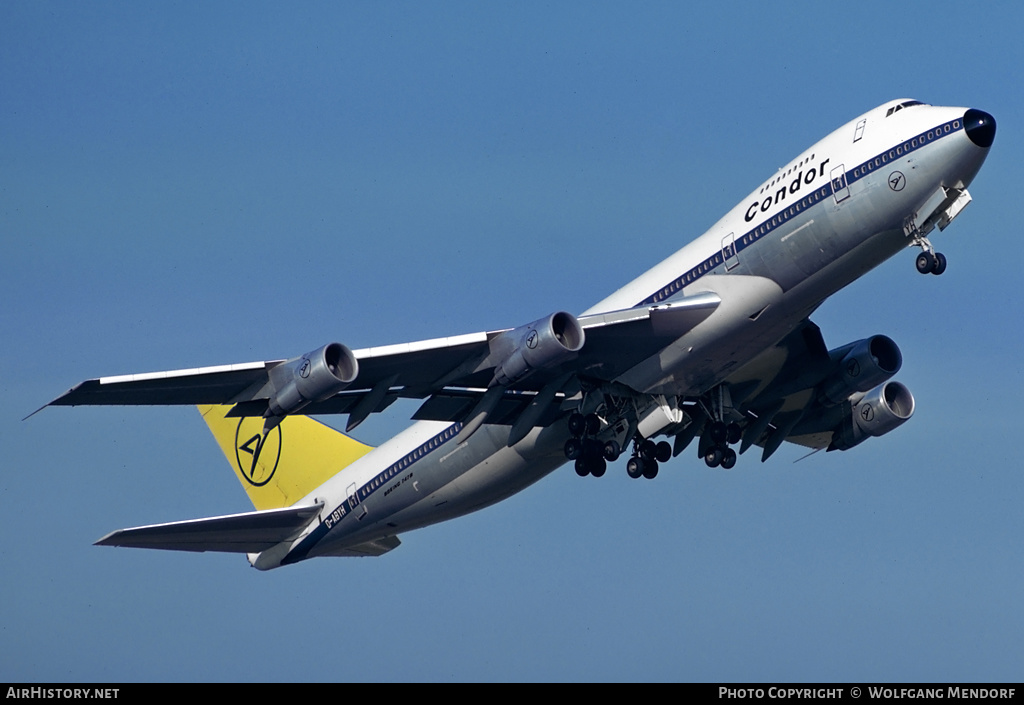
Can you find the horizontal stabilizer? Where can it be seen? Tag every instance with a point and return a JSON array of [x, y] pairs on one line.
[[250, 532]]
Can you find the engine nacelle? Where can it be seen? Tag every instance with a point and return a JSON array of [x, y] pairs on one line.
[[869, 363], [312, 377], [876, 413], [543, 343]]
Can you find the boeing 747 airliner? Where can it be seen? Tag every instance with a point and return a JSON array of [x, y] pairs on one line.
[[714, 345]]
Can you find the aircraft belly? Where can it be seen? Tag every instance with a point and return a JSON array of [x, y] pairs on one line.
[[457, 480], [499, 477]]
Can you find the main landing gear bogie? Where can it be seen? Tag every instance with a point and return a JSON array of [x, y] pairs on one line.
[[637, 467], [646, 456], [591, 455], [720, 456], [722, 435]]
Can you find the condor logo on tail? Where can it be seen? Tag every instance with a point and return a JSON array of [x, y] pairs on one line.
[[274, 476], [255, 456]]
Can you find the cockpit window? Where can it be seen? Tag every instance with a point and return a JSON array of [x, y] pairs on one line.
[[904, 104]]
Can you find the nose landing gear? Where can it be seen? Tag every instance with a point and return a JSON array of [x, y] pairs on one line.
[[929, 261]]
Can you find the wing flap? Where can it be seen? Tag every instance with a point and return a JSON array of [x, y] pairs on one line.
[[250, 532], [456, 405]]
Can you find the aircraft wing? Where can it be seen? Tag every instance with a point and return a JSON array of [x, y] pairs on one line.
[[250, 532], [439, 370]]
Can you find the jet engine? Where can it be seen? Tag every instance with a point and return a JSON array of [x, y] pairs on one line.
[[312, 377], [538, 345], [864, 365], [876, 413]]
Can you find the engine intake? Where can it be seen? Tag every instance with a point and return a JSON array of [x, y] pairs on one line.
[[876, 413], [866, 364], [538, 345], [312, 377]]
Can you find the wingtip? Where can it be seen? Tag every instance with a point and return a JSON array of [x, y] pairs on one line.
[[56, 400], [107, 539], [36, 411], [49, 403]]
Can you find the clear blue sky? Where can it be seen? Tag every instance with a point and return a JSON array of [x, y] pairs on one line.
[[185, 184]]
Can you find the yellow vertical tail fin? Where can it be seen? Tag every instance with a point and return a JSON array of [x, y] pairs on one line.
[[298, 456]]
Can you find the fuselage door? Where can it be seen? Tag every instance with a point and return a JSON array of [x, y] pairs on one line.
[[729, 254], [858, 131], [354, 505], [839, 188]]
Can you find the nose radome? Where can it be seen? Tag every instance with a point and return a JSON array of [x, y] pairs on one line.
[[980, 127]]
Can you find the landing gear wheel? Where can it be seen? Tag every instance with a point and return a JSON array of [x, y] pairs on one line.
[[713, 458], [926, 262], [649, 450], [650, 469], [718, 432], [577, 425], [612, 451], [635, 467], [663, 452], [728, 459], [733, 433], [598, 467], [573, 448], [940, 263], [582, 467], [592, 423]]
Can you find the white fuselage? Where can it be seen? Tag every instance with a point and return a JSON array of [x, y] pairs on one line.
[[836, 211]]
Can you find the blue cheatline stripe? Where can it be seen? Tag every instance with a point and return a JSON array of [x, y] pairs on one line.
[[373, 485], [779, 219]]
